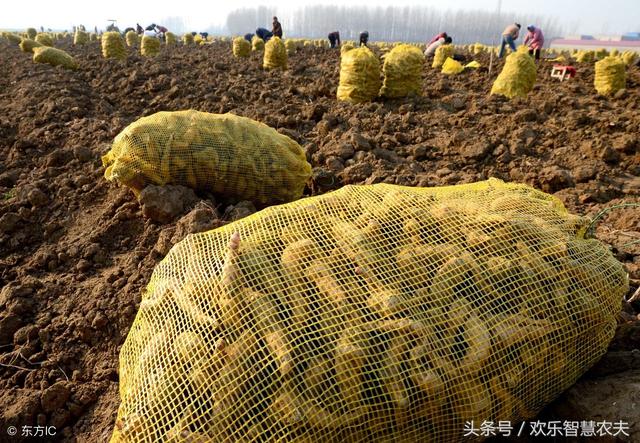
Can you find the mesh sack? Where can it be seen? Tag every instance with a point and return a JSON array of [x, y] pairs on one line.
[[443, 52], [290, 46], [257, 44], [601, 53], [187, 39], [80, 37], [359, 76], [11, 37], [402, 71], [610, 75], [93, 37], [478, 48], [222, 153], [131, 38], [150, 46], [585, 56], [374, 313], [197, 39], [275, 54], [452, 67], [170, 38], [241, 47], [31, 33], [629, 57], [473, 65], [44, 39], [346, 47], [518, 75], [27, 45], [53, 57], [113, 45]]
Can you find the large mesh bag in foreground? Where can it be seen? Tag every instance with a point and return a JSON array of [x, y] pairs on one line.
[[54, 57], [518, 76], [275, 54], [610, 75], [150, 46], [374, 313], [402, 71], [229, 155], [359, 76], [27, 45]]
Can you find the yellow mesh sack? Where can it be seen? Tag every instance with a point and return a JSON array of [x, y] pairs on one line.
[[443, 52], [31, 33], [373, 313], [275, 54], [197, 39], [629, 57], [222, 153], [80, 37], [44, 39], [346, 47], [601, 53], [241, 47], [113, 45], [359, 76], [150, 46], [170, 38], [290, 46], [472, 65], [402, 69], [27, 45], [257, 44], [518, 75], [131, 38], [93, 37], [11, 37], [452, 67], [478, 48], [610, 75], [53, 57], [585, 56], [187, 39]]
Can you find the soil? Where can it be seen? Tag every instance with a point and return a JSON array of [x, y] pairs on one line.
[[76, 251]]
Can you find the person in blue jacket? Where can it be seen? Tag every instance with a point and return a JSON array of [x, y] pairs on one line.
[[264, 34]]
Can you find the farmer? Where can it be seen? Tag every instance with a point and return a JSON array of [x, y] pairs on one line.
[[509, 36], [334, 39], [534, 40], [150, 31], [431, 49], [248, 36], [264, 34], [364, 38], [438, 37], [277, 28], [161, 30], [139, 29]]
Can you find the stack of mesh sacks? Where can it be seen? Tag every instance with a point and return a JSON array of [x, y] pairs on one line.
[[150, 46], [44, 39], [27, 45], [275, 54], [241, 47], [257, 44], [132, 38], [80, 37], [53, 57], [442, 54], [518, 75], [359, 76], [113, 45], [374, 313], [610, 76], [402, 71], [231, 156]]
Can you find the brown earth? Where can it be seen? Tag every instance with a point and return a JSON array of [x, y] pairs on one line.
[[76, 251]]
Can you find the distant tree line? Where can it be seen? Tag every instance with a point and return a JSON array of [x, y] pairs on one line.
[[393, 23]]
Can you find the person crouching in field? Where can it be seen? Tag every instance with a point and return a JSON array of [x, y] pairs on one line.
[[535, 41], [431, 49], [364, 38]]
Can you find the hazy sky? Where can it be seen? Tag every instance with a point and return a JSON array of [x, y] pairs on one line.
[[586, 16]]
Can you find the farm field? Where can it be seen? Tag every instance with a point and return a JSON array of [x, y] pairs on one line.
[[76, 251]]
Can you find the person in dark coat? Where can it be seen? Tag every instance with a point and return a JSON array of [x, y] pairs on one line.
[[364, 38], [334, 39], [264, 34], [248, 36], [277, 28]]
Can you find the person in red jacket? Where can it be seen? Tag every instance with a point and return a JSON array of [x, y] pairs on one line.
[[438, 37], [534, 40]]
